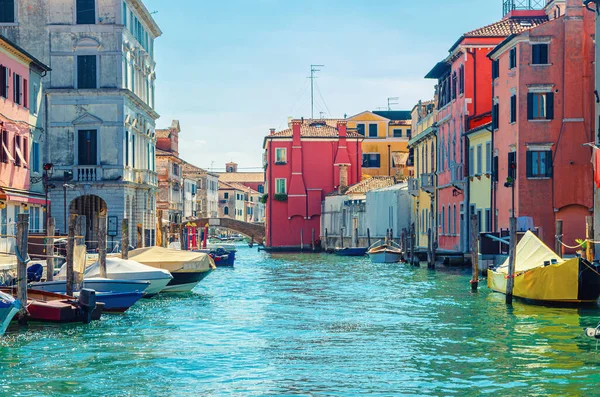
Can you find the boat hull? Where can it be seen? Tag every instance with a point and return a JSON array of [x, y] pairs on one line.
[[98, 285], [358, 251], [185, 281], [385, 257], [118, 302], [9, 307], [574, 281]]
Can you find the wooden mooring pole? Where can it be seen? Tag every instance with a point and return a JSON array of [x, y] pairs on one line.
[[368, 237], [50, 230], [558, 247], [301, 239], [125, 239], [314, 248], [510, 282], [589, 236], [80, 227], [430, 250], [413, 237], [22, 256], [326, 241], [70, 249], [342, 237], [102, 243], [475, 251]]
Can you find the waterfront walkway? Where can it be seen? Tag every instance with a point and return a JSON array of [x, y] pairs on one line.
[[313, 325]]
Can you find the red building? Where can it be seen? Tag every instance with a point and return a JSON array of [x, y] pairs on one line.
[[464, 93], [543, 90], [305, 163]]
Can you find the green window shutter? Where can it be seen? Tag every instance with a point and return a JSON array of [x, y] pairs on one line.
[[529, 164], [550, 106], [530, 106]]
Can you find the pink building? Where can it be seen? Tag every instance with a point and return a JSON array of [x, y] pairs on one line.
[[305, 163], [465, 103], [21, 173], [543, 89]]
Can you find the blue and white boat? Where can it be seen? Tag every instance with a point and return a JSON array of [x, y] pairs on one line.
[[351, 251], [222, 254], [117, 302], [9, 307]]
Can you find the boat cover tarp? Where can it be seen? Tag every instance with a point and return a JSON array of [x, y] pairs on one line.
[[531, 253], [173, 260], [558, 282], [119, 266]]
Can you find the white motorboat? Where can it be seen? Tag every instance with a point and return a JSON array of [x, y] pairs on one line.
[[387, 252], [9, 307], [99, 284], [127, 269]]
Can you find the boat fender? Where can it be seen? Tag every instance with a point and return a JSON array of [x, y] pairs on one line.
[[592, 332]]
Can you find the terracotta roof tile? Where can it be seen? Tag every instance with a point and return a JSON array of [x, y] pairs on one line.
[[316, 130], [507, 27], [258, 177], [163, 133], [368, 184]]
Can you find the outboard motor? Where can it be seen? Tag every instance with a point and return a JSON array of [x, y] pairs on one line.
[[34, 273], [87, 303]]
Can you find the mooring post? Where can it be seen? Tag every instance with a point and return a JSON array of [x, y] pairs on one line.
[[589, 236], [356, 237], [70, 251], [430, 260], [80, 228], [50, 230], [403, 240], [102, 242], [301, 240], [125, 239], [326, 241], [342, 237], [412, 244], [558, 247], [510, 283], [475, 251], [22, 259], [314, 248]]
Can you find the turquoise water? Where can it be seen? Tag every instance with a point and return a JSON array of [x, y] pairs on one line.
[[312, 325]]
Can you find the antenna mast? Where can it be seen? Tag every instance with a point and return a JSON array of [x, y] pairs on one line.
[[392, 101], [313, 70]]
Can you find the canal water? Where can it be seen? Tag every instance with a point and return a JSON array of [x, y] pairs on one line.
[[312, 325]]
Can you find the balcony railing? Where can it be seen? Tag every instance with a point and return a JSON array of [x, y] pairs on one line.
[[87, 173], [427, 182], [413, 186]]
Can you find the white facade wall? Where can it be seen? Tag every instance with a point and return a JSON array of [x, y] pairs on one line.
[[389, 208]]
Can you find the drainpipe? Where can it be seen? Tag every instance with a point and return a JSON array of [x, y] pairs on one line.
[[493, 183], [389, 161]]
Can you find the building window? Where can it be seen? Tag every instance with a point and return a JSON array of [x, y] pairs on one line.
[[226, 195], [539, 164], [226, 210], [495, 116], [35, 157], [540, 106], [488, 220], [397, 133], [280, 155], [449, 220], [479, 159], [513, 108], [512, 165], [360, 128], [7, 11], [454, 84], [513, 58], [3, 81], [495, 69], [488, 157], [280, 186], [479, 221], [86, 12], [17, 88], [461, 77], [87, 147], [443, 219], [371, 160], [455, 226], [86, 71], [471, 161], [408, 133], [539, 54], [373, 131]]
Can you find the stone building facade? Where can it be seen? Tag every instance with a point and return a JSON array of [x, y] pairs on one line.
[[207, 190], [99, 96]]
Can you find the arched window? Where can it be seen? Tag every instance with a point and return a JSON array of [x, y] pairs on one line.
[[449, 220], [226, 210], [455, 227], [443, 219]]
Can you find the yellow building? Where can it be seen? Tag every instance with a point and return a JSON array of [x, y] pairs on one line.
[[424, 183], [480, 175], [385, 148]]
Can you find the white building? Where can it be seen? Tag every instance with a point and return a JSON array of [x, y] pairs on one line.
[[389, 208], [100, 101], [189, 198]]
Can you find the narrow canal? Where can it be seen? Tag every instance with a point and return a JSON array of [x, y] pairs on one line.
[[312, 325]]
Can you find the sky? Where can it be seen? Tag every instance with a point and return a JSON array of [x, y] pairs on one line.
[[230, 70]]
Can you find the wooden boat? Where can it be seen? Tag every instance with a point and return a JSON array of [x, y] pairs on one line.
[[543, 276], [386, 252], [348, 251], [123, 269], [188, 268], [9, 307], [50, 307], [222, 254]]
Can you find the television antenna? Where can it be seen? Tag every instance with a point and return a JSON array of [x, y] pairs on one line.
[[313, 69]]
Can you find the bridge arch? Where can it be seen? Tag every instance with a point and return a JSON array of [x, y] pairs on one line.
[[251, 230]]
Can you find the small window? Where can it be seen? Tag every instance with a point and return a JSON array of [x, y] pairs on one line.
[[226, 210], [280, 186], [373, 131], [371, 160], [513, 58], [7, 11], [488, 220], [87, 147], [495, 116], [86, 12], [488, 157], [360, 128], [86, 71], [261, 189], [539, 164], [540, 106], [471, 161], [513, 109], [461, 78], [479, 159], [17, 88], [35, 157], [479, 221], [226, 195], [280, 155], [397, 133], [495, 69], [408, 133], [3, 81], [539, 54]]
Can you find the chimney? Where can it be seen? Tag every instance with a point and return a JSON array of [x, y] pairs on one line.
[[296, 130], [341, 127], [272, 130], [343, 179], [574, 8], [231, 167]]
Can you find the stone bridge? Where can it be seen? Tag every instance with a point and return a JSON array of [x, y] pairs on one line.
[[252, 230]]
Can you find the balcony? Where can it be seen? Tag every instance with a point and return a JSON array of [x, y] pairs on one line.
[[457, 174], [87, 173], [428, 183], [145, 177], [413, 187]]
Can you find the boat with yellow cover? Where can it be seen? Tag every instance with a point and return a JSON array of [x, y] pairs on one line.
[[543, 276]]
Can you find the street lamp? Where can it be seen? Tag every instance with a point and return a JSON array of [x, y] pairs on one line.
[[48, 171]]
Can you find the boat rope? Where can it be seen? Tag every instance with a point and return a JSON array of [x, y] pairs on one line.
[[591, 268]]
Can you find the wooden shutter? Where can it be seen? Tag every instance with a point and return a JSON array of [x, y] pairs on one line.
[[86, 71], [530, 106], [550, 106], [513, 108], [3, 82], [535, 54], [543, 54], [495, 169], [16, 143], [549, 170], [529, 164]]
